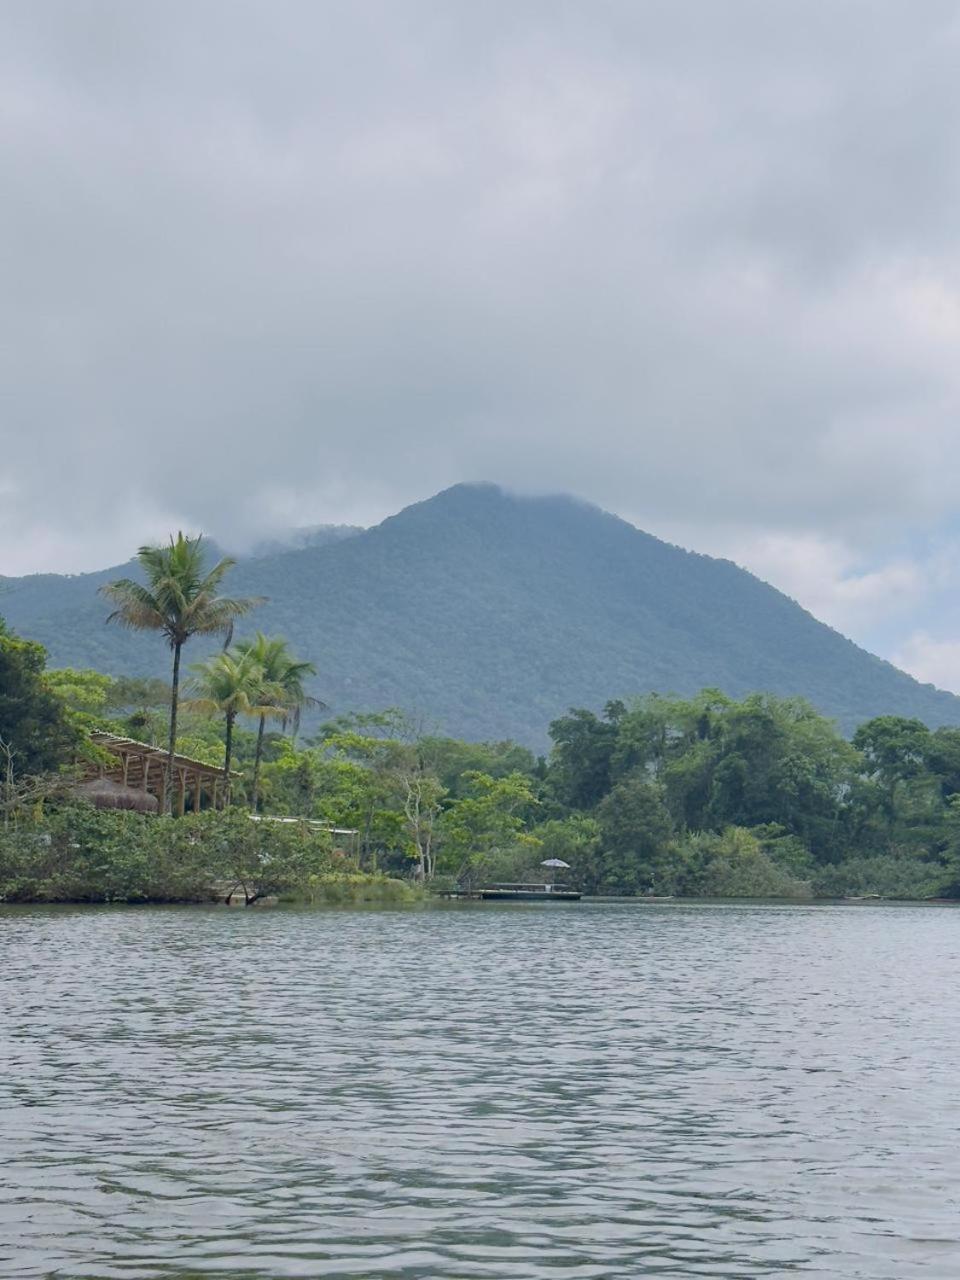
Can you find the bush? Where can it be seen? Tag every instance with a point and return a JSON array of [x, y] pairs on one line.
[[342, 888], [82, 854], [885, 876], [733, 864]]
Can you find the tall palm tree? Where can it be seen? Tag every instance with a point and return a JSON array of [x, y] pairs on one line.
[[179, 600], [283, 682], [232, 684]]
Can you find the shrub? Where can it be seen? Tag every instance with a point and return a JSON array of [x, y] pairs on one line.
[[889, 875], [733, 864], [355, 887], [82, 854]]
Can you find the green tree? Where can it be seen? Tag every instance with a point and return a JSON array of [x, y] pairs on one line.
[[34, 721], [421, 795], [283, 680], [635, 832], [180, 600], [894, 748], [384, 759], [733, 864], [142, 704], [487, 821], [580, 763], [84, 695], [576, 841], [232, 685], [451, 760], [943, 760]]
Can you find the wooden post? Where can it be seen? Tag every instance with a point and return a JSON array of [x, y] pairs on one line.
[[182, 797], [146, 772], [196, 793]]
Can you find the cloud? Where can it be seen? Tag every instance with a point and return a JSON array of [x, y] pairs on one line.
[[829, 579], [287, 263], [930, 660]]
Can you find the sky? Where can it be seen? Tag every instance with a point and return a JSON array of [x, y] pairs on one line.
[[286, 263]]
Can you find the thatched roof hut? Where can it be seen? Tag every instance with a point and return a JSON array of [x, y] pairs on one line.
[[140, 767], [104, 793]]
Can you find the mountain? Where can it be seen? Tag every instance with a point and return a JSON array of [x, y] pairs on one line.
[[491, 614], [318, 535]]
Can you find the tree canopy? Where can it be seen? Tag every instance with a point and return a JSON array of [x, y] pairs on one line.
[[35, 724]]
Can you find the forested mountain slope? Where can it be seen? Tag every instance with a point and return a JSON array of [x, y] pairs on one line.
[[492, 614]]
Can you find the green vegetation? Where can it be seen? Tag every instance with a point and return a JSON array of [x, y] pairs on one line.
[[35, 726], [231, 685], [346, 888], [281, 690], [699, 796], [179, 600], [489, 615], [81, 854]]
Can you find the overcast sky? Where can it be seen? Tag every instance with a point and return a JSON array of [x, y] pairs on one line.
[[281, 263]]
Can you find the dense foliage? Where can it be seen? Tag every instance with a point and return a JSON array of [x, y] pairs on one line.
[[81, 854], [706, 795], [178, 597], [34, 726], [713, 796], [490, 615]]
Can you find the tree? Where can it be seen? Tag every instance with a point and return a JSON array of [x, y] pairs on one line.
[[382, 758], [142, 703], [487, 821], [635, 831], [733, 864], [84, 696], [283, 678], [34, 722], [451, 760], [233, 685], [895, 748], [422, 796], [180, 601], [582, 752], [576, 841]]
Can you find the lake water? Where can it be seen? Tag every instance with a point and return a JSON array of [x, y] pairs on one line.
[[576, 1091]]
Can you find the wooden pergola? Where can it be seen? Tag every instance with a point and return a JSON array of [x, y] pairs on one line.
[[142, 767]]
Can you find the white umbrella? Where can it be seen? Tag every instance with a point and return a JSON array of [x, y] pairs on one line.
[[553, 863]]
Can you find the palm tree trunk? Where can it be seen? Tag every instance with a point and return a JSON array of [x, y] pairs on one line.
[[256, 764], [171, 749], [227, 756]]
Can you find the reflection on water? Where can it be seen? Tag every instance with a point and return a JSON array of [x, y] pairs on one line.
[[603, 1090]]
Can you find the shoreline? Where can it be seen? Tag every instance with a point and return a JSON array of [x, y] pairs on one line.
[[417, 900]]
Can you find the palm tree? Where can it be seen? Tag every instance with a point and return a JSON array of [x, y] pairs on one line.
[[232, 684], [179, 600], [283, 680]]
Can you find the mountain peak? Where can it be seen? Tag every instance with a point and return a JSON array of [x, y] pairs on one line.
[[490, 612], [475, 502]]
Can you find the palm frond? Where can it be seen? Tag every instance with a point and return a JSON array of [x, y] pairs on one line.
[[137, 607], [206, 616]]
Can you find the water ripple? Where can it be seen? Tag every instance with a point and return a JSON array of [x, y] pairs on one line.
[[608, 1090]]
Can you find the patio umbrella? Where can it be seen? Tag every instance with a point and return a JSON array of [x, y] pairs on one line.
[[553, 863]]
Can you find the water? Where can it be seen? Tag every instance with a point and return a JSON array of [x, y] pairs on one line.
[[602, 1090]]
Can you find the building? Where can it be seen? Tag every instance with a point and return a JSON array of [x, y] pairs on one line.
[[136, 778]]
